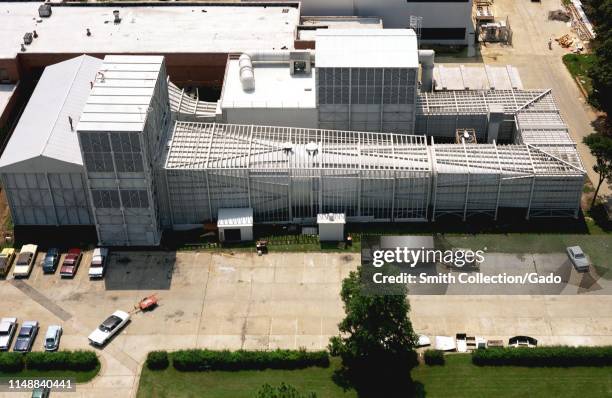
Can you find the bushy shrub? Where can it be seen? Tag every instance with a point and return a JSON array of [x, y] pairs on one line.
[[434, 357], [11, 362], [157, 360], [190, 360], [62, 360], [282, 391], [544, 356]]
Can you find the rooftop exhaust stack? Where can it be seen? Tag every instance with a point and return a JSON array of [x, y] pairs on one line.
[[246, 60], [426, 59]]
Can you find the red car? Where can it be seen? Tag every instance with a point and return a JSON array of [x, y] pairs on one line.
[[71, 263]]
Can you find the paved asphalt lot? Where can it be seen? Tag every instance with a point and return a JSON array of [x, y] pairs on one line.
[[278, 300]]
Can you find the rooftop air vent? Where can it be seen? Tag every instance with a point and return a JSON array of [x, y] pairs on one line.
[[117, 17], [44, 11], [312, 148]]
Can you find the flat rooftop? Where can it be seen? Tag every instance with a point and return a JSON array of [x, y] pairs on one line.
[[275, 87], [309, 25], [121, 93], [148, 29], [482, 77], [366, 48]]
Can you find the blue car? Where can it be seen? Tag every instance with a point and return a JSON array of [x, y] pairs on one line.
[[51, 261]]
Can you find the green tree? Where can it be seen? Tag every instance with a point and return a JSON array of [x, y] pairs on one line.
[[601, 148], [600, 73], [377, 341], [282, 391]]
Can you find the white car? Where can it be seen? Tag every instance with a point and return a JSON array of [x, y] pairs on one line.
[[580, 260], [108, 328], [7, 331], [98, 263], [25, 260]]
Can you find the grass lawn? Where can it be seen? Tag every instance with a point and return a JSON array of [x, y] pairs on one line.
[[243, 384], [80, 377], [458, 378], [578, 65]]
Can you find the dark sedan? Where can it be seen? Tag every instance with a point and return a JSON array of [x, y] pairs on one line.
[[50, 261], [27, 335]]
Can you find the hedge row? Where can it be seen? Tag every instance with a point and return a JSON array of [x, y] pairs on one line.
[[544, 356], [434, 357], [61, 360], [202, 360], [157, 360]]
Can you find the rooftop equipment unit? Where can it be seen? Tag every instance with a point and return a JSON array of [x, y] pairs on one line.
[[27, 38], [467, 136], [44, 11], [117, 17]]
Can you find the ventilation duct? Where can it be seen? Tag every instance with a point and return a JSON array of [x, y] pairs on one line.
[[426, 59]]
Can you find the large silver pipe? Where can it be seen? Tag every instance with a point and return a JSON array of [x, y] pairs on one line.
[[426, 59], [246, 60]]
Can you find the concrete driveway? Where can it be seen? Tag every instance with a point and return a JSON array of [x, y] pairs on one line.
[[287, 300]]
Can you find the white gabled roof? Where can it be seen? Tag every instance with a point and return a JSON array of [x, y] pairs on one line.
[[44, 129], [121, 94], [366, 48], [235, 217]]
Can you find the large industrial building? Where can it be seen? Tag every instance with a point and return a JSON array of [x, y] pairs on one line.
[[347, 129], [441, 21]]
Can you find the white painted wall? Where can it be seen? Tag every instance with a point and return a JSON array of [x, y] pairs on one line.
[[246, 233], [396, 13], [288, 117]]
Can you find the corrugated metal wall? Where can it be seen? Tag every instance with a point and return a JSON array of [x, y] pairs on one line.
[[47, 198]]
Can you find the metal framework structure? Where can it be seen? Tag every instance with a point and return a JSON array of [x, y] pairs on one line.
[[292, 174], [481, 178], [185, 107], [440, 114]]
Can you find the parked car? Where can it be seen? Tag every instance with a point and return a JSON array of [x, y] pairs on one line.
[[50, 261], [580, 260], [41, 392], [27, 335], [71, 263], [7, 331], [109, 327], [97, 268], [52, 337], [25, 260], [6, 260]]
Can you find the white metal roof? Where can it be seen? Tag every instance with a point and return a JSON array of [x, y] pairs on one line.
[[160, 28], [275, 87], [203, 146], [44, 128], [366, 48], [122, 92], [331, 218], [235, 217]]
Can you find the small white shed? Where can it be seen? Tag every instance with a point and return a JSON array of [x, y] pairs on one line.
[[235, 225], [331, 227]]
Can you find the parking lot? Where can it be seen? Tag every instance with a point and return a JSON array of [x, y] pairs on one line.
[[287, 300]]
